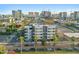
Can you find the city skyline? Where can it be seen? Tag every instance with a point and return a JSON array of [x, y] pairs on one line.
[[7, 8]]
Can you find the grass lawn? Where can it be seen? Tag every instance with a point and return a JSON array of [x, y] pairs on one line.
[[51, 52]]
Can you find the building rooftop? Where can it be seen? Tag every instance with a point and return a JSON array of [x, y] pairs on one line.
[[76, 35]]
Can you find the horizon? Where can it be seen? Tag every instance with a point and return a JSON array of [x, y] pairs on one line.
[[7, 8]]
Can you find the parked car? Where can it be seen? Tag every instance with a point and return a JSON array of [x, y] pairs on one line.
[[68, 49], [17, 50], [50, 49], [42, 49], [32, 49], [76, 48], [58, 48]]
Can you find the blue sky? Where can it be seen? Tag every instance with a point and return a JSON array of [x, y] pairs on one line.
[[7, 8]]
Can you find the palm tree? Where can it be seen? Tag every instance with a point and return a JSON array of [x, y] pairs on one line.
[[55, 40], [35, 40], [72, 40], [43, 43], [21, 42]]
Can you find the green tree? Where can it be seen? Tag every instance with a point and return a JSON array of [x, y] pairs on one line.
[[35, 40], [72, 42], [21, 38], [43, 41], [3, 49], [12, 27]]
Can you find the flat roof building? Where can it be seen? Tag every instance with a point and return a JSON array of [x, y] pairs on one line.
[[70, 35], [76, 35], [41, 31]]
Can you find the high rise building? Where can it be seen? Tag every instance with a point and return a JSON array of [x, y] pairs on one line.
[[55, 16], [72, 16], [76, 15], [63, 15], [17, 14], [45, 14], [33, 14], [14, 13]]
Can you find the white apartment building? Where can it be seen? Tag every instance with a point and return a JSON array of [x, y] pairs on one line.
[[51, 29], [40, 31], [44, 31], [28, 32]]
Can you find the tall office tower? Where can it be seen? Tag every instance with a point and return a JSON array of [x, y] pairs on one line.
[[45, 14], [76, 15], [55, 16], [63, 15], [33, 14], [36, 13], [14, 14], [72, 16], [30, 14], [17, 14]]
